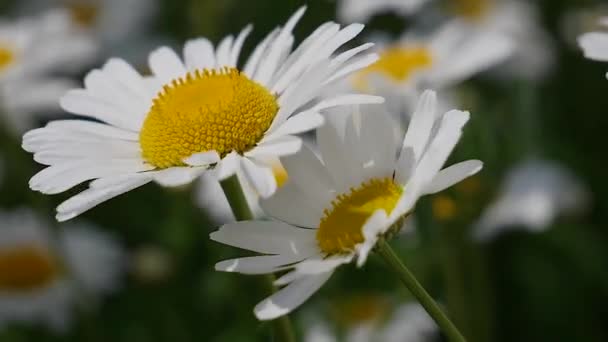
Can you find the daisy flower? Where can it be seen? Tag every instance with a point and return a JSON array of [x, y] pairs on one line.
[[595, 44], [333, 211], [32, 50], [439, 60], [533, 56], [42, 276], [362, 10], [533, 194], [409, 322], [202, 114]]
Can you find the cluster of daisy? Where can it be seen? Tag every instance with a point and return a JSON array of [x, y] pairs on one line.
[[377, 141]]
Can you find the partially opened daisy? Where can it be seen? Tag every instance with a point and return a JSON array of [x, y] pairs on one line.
[[595, 44], [33, 50], [362, 10], [44, 276], [333, 211], [200, 114], [444, 58]]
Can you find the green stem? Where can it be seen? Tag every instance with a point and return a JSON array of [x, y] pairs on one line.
[[283, 330], [409, 280]]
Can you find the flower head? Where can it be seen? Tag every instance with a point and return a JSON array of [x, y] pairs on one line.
[[333, 211], [595, 44], [42, 276], [202, 114]]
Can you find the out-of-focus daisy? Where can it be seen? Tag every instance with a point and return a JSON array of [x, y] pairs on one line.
[[409, 322], [210, 196], [442, 59], [533, 194], [578, 21], [196, 115], [116, 24], [359, 193], [31, 51], [533, 57], [362, 10], [42, 276], [595, 44]]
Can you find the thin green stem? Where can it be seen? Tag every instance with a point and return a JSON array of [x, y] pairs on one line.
[[283, 331], [409, 280]]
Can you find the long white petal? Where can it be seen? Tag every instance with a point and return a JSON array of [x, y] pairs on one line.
[[452, 175]]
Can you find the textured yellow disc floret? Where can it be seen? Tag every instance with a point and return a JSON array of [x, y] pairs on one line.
[[396, 63], [84, 14], [25, 268], [218, 110], [341, 226], [470, 9], [6, 57]]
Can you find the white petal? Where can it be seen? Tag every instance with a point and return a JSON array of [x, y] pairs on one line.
[[405, 165], [222, 55], [203, 158], [452, 175], [267, 237], [281, 206], [277, 147], [199, 54], [339, 160], [89, 198], [348, 99], [166, 65], [227, 166], [375, 226], [177, 176], [265, 264], [259, 176], [314, 266], [595, 45], [79, 101], [298, 123], [290, 297], [254, 59], [238, 44], [421, 124]]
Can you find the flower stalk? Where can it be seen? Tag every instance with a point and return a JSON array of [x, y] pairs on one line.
[[410, 281], [282, 329]]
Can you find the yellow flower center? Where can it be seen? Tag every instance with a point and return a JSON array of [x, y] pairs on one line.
[[396, 63], [470, 9], [7, 56], [341, 227], [84, 14], [26, 268], [444, 208], [210, 110]]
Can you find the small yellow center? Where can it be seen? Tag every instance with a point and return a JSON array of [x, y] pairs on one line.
[[280, 174], [26, 268], [84, 14], [210, 110], [444, 208], [470, 9], [341, 227], [7, 57], [396, 63]]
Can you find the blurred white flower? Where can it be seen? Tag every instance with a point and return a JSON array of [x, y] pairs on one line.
[[534, 56], [595, 44], [122, 27], [32, 50], [533, 194], [334, 211], [194, 115], [578, 21], [362, 10], [43, 276], [452, 54], [409, 322]]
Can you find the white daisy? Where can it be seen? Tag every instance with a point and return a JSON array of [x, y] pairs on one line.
[[534, 54], [334, 211], [532, 196], [450, 55], [595, 44], [31, 51], [362, 10], [409, 322], [42, 276], [202, 114]]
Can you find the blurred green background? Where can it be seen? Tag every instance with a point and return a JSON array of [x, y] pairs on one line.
[[550, 286]]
